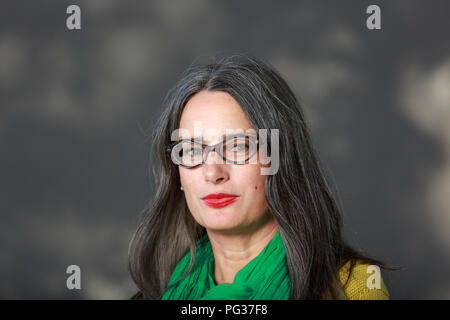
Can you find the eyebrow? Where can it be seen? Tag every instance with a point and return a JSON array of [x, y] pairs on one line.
[[237, 134]]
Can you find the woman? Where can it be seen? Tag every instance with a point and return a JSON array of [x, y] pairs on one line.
[[220, 227]]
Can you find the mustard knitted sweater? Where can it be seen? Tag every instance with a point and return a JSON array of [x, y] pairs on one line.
[[357, 287]]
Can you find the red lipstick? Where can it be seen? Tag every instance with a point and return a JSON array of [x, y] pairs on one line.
[[218, 200]]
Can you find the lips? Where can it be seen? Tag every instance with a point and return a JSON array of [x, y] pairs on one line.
[[218, 200]]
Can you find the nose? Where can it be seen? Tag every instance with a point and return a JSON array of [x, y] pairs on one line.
[[215, 169]]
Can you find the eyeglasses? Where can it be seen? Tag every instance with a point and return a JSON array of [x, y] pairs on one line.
[[236, 149]]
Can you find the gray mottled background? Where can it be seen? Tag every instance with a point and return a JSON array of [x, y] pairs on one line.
[[76, 106]]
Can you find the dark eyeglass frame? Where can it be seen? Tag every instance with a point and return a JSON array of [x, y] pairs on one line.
[[208, 148]]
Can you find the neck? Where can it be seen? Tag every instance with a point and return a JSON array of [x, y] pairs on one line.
[[232, 251]]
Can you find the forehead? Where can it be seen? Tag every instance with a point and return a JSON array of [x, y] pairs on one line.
[[211, 115]]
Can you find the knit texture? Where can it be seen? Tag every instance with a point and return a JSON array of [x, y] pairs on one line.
[[357, 288]]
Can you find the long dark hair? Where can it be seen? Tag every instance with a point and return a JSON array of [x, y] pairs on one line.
[[298, 195]]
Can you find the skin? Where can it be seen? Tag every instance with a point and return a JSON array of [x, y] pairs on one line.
[[238, 232]]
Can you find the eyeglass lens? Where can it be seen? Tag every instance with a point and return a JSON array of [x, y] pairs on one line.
[[234, 150]]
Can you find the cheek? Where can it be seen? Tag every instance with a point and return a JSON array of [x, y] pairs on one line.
[[255, 185], [186, 176], [258, 189]]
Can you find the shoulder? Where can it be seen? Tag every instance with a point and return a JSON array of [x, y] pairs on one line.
[[363, 281]]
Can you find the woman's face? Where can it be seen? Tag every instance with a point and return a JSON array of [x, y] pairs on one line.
[[219, 111]]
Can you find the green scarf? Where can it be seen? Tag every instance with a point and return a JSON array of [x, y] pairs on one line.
[[264, 278]]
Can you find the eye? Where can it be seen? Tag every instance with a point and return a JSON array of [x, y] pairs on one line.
[[240, 147], [193, 151]]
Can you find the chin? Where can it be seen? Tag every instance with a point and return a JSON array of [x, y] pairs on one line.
[[220, 224]]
